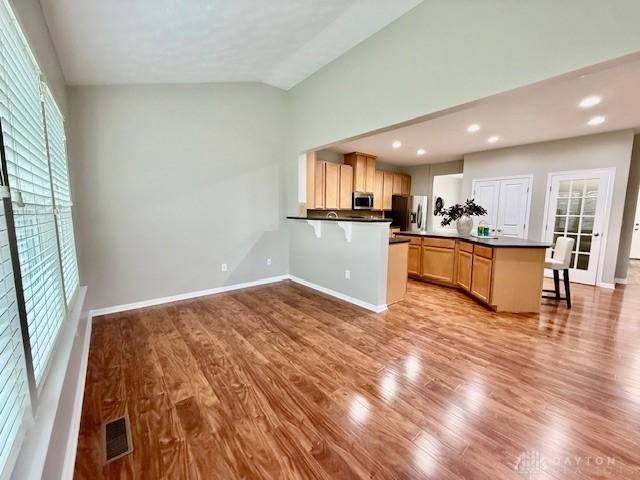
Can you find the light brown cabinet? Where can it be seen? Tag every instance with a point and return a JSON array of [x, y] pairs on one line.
[[414, 260], [406, 185], [364, 170], [319, 185], [387, 190], [397, 184], [481, 278], [331, 185], [378, 189], [346, 187], [505, 279], [463, 269], [438, 259], [311, 180]]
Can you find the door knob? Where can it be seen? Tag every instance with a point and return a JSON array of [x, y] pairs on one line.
[[596, 234]]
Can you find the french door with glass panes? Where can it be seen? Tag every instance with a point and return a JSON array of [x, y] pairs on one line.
[[577, 209]]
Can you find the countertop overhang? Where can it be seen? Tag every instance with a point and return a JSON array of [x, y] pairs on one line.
[[343, 219], [501, 242]]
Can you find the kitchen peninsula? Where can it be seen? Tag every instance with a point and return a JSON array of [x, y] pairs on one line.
[[505, 273], [350, 258]]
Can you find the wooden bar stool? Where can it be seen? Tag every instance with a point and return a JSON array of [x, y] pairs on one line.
[[561, 260]]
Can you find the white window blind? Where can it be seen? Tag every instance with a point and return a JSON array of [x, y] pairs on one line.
[[30, 182], [13, 379], [56, 142]]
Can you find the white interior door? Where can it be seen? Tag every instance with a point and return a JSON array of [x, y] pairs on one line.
[[577, 209], [513, 211], [487, 194], [635, 242]]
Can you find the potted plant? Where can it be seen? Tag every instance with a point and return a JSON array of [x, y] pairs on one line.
[[462, 214]]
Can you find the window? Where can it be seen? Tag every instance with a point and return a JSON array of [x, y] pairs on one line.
[[36, 234], [30, 182], [13, 379], [57, 149]]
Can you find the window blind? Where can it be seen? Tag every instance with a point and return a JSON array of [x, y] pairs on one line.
[[56, 145], [30, 182], [13, 379]]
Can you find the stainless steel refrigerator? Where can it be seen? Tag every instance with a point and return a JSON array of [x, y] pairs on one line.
[[410, 212]]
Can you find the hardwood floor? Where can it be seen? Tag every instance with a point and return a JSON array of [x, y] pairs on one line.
[[283, 382]]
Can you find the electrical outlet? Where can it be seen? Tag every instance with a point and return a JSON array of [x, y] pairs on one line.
[[347, 274], [223, 267], [268, 261]]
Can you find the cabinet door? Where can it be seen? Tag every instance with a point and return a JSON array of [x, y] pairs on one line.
[[359, 174], [319, 190], [413, 264], [463, 269], [331, 185], [387, 190], [481, 278], [370, 174], [406, 184], [378, 188], [311, 180], [346, 187], [438, 263], [397, 184]]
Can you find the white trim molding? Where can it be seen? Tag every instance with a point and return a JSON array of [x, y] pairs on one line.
[[184, 296], [622, 281], [341, 296], [611, 286]]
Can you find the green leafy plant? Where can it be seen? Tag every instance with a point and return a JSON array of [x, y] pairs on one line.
[[454, 212]]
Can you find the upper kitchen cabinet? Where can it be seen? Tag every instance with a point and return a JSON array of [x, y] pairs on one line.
[[387, 190], [331, 185], [346, 186], [397, 184], [378, 189], [405, 183], [364, 171]]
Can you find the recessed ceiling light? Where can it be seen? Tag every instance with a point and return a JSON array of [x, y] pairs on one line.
[[396, 144], [589, 102], [473, 128], [493, 139], [421, 151], [597, 120]]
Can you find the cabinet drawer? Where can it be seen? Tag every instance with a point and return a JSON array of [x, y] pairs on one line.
[[439, 242], [465, 246], [412, 240], [486, 252]]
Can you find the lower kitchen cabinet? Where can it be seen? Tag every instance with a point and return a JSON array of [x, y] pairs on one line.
[[438, 263], [481, 278], [463, 269], [413, 263]]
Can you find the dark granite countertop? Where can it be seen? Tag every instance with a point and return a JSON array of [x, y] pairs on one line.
[[504, 242], [344, 219], [394, 240]]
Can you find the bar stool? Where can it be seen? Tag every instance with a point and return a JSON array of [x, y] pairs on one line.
[[561, 260]]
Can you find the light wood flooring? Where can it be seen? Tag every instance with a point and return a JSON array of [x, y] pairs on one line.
[[281, 382]]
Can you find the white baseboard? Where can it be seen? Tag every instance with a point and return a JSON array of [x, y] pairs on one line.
[[184, 296], [611, 286], [341, 296], [622, 281]]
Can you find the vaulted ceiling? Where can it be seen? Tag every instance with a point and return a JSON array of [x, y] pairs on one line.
[[278, 42]]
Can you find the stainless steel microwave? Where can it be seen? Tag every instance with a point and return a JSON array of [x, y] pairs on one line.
[[362, 201]]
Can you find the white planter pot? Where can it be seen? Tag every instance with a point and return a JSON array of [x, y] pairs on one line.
[[464, 225]]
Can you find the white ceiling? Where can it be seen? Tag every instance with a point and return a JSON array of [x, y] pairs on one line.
[[279, 42], [541, 112]]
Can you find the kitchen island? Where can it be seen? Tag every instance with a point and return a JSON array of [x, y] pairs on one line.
[[505, 273]]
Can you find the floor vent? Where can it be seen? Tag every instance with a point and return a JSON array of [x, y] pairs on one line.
[[117, 439]]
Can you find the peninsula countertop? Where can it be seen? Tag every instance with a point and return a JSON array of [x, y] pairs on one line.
[[500, 242], [343, 219]]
